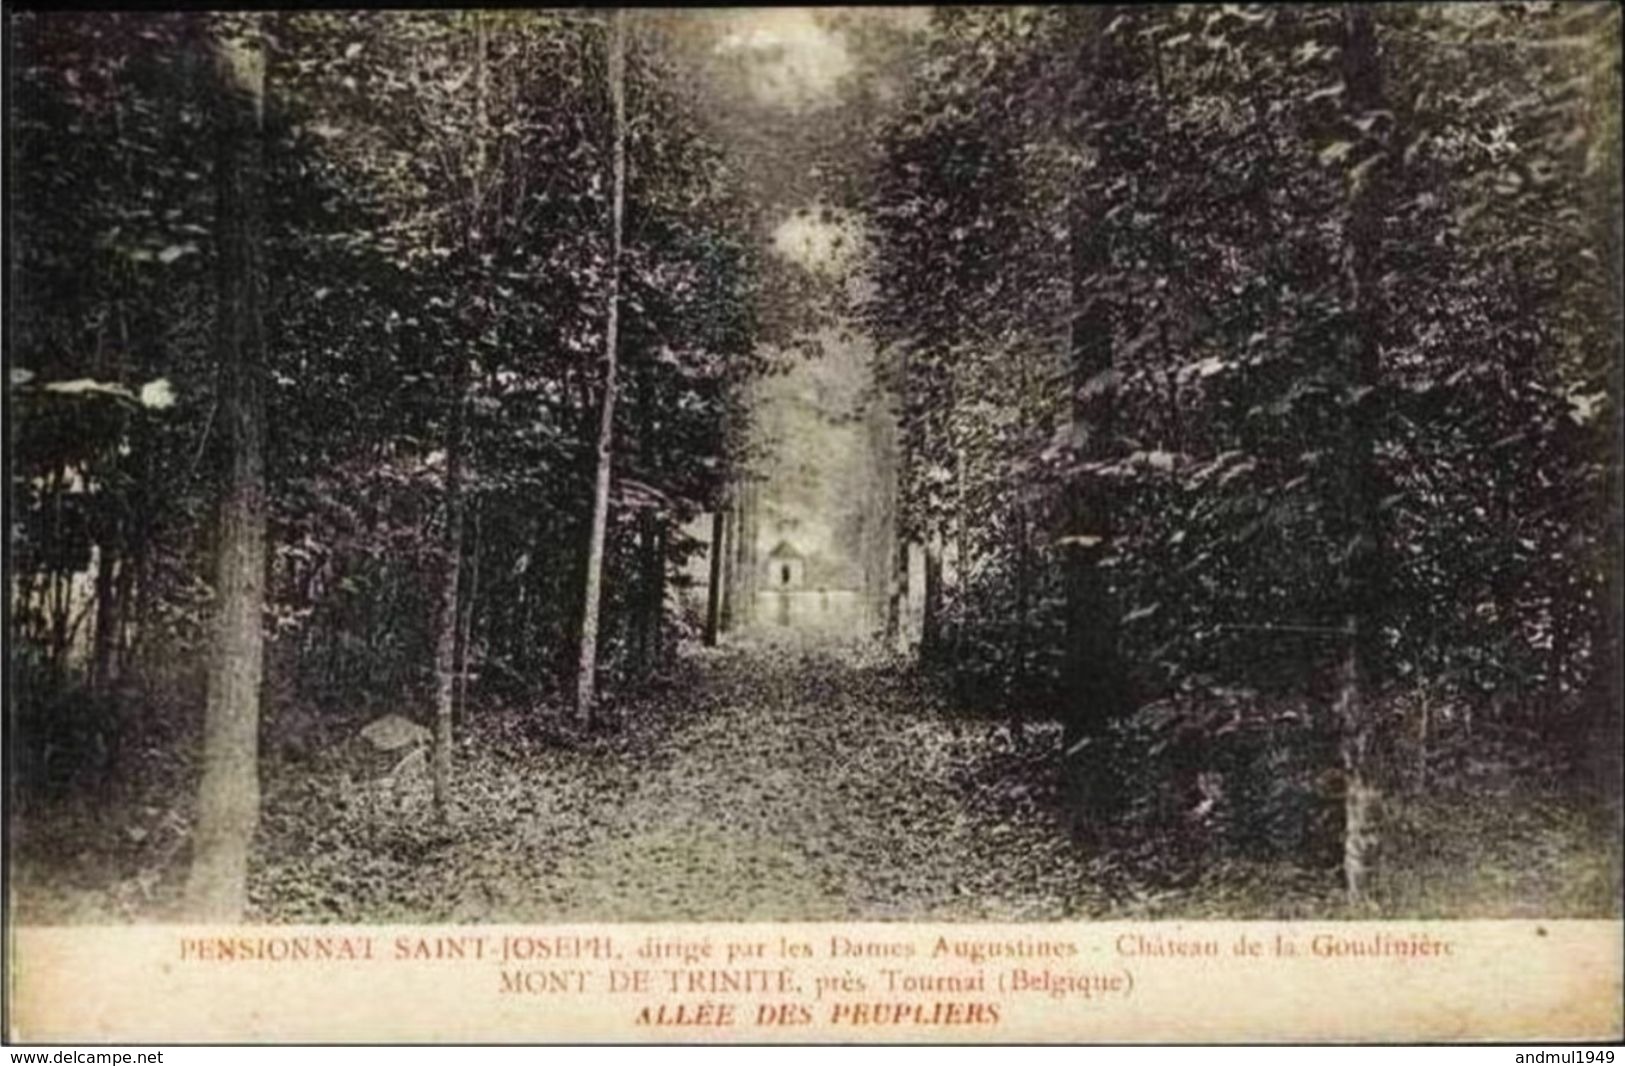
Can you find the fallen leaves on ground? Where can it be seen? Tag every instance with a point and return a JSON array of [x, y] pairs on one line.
[[787, 780], [771, 781]]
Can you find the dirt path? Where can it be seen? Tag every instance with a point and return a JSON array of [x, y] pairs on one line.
[[764, 782], [773, 781], [761, 782], [809, 787]]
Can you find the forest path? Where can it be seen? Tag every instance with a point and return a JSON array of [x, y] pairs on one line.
[[777, 782], [758, 782], [765, 780]]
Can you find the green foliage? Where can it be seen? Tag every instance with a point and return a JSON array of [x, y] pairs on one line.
[[1208, 164], [1119, 267], [430, 219]]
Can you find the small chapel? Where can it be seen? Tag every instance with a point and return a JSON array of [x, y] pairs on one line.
[[786, 567]]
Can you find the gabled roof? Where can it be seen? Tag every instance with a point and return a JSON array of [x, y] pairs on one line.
[[784, 550]]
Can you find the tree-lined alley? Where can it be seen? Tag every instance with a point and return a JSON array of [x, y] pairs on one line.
[[1186, 441]]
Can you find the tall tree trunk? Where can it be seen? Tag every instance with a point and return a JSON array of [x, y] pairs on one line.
[[1606, 685], [105, 641], [713, 603], [1362, 547], [55, 593], [124, 638], [741, 571], [899, 588], [229, 794], [587, 673], [445, 652], [1093, 672], [730, 568], [650, 600], [465, 631], [657, 595], [1023, 641], [644, 610], [955, 619], [1024, 567], [931, 625], [897, 608], [1095, 692], [448, 615], [897, 611], [752, 560], [876, 556]]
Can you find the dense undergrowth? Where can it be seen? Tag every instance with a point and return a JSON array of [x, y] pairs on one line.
[[794, 782]]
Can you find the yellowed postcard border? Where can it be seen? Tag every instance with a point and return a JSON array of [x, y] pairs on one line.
[[1109, 982]]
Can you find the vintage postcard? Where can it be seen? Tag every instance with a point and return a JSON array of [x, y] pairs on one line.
[[816, 525]]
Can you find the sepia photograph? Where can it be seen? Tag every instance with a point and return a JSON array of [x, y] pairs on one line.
[[1002, 503]]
